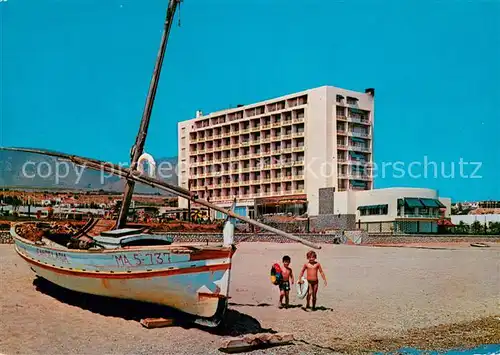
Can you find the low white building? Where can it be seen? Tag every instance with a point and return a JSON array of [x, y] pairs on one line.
[[407, 210]]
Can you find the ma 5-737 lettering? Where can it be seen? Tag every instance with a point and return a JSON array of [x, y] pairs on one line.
[[142, 259]]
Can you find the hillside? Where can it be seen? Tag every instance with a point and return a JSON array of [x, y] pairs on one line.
[[20, 169]]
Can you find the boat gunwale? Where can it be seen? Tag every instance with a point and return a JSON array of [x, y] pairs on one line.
[[188, 248]]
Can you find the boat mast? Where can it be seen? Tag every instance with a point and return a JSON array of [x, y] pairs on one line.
[[138, 147]]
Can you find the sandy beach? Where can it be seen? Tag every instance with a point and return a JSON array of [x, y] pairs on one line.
[[377, 298]]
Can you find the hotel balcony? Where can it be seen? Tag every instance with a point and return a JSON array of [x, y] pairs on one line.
[[421, 215], [359, 120], [265, 140], [286, 136], [245, 131], [298, 177], [217, 136], [276, 124], [287, 150], [342, 146], [357, 188], [255, 129], [358, 176], [298, 119], [341, 132], [359, 148], [298, 149], [266, 126], [341, 118], [298, 134], [287, 122], [359, 134]]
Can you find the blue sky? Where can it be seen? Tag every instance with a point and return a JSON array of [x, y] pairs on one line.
[[75, 74]]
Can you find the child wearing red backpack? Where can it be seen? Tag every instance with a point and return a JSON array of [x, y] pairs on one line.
[[285, 281]]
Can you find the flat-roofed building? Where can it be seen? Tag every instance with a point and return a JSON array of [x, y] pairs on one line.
[[276, 154]]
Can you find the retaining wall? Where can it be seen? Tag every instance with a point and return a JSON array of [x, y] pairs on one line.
[[356, 236], [394, 239]]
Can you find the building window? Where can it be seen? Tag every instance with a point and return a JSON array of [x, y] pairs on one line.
[[373, 210], [351, 100], [340, 98]]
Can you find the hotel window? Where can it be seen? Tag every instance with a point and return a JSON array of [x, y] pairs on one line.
[[351, 100], [340, 98], [373, 210]]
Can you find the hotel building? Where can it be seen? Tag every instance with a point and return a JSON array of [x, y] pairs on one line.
[[274, 156]]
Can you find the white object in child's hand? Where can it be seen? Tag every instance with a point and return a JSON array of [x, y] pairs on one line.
[[302, 288]]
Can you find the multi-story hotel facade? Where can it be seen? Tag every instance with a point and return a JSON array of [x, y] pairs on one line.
[[274, 156]]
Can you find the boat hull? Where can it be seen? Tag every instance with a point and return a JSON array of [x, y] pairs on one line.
[[196, 283]]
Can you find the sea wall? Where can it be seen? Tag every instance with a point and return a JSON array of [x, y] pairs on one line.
[[355, 236], [395, 239]]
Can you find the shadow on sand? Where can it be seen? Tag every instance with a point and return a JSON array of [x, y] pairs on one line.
[[250, 304], [234, 324], [320, 308]]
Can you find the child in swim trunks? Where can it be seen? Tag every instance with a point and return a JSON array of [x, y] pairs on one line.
[[286, 278], [312, 267]]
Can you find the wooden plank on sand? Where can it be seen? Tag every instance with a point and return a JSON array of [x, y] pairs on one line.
[[156, 322], [255, 341]]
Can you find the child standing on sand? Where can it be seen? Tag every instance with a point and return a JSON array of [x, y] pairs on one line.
[[312, 266], [287, 277]]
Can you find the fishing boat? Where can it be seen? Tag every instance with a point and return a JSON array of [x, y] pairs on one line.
[[128, 263]]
